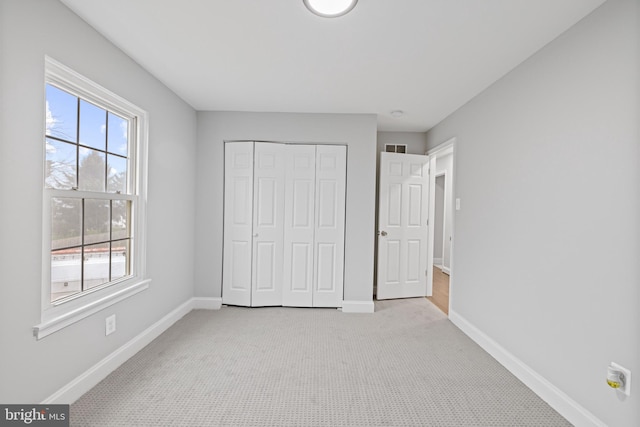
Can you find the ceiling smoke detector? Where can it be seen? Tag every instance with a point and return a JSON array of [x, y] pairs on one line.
[[330, 8]]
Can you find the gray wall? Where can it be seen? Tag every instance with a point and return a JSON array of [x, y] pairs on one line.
[[357, 131], [548, 172], [31, 370]]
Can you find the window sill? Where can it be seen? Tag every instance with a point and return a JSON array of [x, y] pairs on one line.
[[56, 323]]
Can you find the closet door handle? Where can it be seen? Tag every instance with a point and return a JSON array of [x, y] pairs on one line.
[[383, 233], [255, 235]]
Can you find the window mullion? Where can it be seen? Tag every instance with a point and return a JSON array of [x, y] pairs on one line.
[[82, 229], [110, 236], [106, 150], [77, 194], [78, 144]]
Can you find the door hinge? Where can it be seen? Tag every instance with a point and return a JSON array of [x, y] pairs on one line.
[[426, 273]]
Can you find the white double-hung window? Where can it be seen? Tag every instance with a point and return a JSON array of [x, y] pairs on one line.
[[94, 188]]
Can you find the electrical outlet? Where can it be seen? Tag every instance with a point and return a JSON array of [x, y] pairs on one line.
[[110, 324], [625, 384]]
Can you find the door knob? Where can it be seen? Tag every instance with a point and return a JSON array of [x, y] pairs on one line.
[[383, 233], [255, 235]]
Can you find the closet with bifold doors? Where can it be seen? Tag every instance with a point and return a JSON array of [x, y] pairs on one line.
[[284, 219]]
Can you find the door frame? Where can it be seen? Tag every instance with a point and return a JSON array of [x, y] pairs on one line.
[[447, 147]]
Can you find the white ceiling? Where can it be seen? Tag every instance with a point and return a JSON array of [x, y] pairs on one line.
[[425, 57]]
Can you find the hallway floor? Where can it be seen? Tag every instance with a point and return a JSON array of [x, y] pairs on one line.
[[440, 290]]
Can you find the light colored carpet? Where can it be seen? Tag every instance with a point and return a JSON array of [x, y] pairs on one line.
[[404, 365]]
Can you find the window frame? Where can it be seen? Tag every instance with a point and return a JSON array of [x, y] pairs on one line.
[[68, 310]]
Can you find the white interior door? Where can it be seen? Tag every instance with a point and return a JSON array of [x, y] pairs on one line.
[[238, 223], [402, 225], [299, 230], [268, 224], [331, 169]]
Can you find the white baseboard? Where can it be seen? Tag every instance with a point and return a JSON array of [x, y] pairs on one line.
[[358, 307], [207, 303], [556, 398], [89, 379], [446, 270]]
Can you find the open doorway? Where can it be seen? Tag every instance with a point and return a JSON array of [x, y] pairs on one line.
[[438, 221], [441, 227], [440, 294]]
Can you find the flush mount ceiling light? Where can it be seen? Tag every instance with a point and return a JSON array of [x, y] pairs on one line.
[[397, 113], [330, 8]]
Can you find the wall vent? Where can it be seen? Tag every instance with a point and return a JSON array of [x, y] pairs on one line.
[[395, 148]]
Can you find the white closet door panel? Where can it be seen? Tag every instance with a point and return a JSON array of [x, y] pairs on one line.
[[268, 224], [265, 266], [328, 197], [301, 269], [302, 201], [326, 259], [238, 224], [266, 205], [300, 171], [331, 167]]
